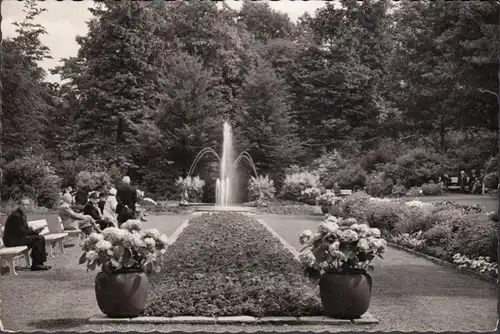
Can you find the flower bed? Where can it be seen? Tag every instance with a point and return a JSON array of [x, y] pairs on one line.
[[228, 264], [280, 207], [441, 230]]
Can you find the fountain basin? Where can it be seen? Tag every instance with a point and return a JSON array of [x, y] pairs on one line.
[[230, 208]]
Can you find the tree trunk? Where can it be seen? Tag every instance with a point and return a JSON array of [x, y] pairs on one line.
[[1, 90]]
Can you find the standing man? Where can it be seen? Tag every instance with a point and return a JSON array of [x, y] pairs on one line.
[[127, 198], [18, 233]]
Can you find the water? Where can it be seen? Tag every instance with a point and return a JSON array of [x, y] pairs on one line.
[[225, 184]]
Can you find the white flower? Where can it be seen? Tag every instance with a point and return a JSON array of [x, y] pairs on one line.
[[338, 255], [375, 232], [307, 258], [91, 256], [95, 238], [328, 227], [348, 236], [150, 243], [103, 245], [363, 245]]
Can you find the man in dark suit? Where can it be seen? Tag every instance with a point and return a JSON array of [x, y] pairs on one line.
[[127, 198], [91, 209], [18, 233]]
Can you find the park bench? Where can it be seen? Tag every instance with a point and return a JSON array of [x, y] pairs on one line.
[[345, 192], [454, 184], [76, 234], [8, 254], [50, 238]]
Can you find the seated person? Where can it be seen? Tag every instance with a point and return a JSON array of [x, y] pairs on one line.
[[102, 201], [91, 209], [18, 233], [73, 221]]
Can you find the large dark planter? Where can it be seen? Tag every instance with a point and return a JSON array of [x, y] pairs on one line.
[[121, 294], [345, 295], [325, 209]]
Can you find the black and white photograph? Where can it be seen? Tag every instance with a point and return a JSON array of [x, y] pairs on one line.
[[249, 166]]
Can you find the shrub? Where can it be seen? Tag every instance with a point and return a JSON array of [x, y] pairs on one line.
[[474, 235], [491, 180], [378, 185], [296, 183], [412, 241], [228, 264], [413, 219], [193, 186], [261, 188], [31, 177], [89, 181], [416, 167], [431, 189], [350, 177]]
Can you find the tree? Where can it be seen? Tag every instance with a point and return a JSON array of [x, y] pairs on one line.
[[116, 77], [25, 110], [263, 124]]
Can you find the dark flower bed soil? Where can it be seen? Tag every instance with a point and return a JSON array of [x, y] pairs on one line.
[[228, 264]]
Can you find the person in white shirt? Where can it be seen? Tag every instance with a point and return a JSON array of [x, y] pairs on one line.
[[109, 212]]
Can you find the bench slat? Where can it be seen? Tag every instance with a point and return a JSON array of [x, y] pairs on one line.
[[12, 250]]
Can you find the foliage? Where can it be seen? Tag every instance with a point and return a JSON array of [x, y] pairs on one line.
[[261, 188], [193, 186], [90, 181], [491, 180], [431, 189], [339, 246], [412, 241], [235, 267], [31, 177], [378, 185], [125, 248], [296, 183], [327, 198]]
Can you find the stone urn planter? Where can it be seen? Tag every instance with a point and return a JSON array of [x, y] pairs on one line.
[[122, 294], [345, 295]]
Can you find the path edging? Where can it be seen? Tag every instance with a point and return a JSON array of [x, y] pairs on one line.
[[444, 263], [366, 319]]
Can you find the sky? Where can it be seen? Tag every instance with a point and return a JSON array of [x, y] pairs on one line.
[[64, 20]]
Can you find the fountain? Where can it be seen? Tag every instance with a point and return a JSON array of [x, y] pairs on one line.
[[224, 185]]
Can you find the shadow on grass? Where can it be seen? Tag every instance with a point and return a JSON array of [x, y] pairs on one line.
[[59, 324]]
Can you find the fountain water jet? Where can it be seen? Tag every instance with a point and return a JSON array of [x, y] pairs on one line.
[[224, 185]]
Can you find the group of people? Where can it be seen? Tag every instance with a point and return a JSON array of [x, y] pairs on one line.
[[100, 211], [468, 183]]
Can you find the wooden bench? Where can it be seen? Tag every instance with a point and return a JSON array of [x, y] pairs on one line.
[[454, 185], [76, 234], [8, 254], [345, 192], [50, 238]]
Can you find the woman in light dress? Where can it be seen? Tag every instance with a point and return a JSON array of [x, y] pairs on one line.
[[109, 212]]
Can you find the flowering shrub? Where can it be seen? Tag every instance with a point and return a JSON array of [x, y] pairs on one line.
[[377, 184], [412, 241], [193, 186], [296, 183], [90, 181], [228, 264], [122, 248], [482, 265], [340, 245], [261, 188], [309, 194], [328, 198]]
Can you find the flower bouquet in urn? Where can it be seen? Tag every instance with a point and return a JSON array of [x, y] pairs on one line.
[[338, 257], [126, 256]]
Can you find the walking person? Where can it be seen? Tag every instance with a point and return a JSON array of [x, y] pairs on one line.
[[110, 207], [127, 199], [18, 233]]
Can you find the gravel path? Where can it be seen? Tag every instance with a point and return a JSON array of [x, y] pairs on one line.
[[411, 293], [62, 298]]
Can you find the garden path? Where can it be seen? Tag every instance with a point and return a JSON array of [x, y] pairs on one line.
[[411, 293]]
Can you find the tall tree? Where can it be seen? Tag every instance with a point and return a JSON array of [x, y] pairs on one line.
[[116, 76], [24, 117]]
